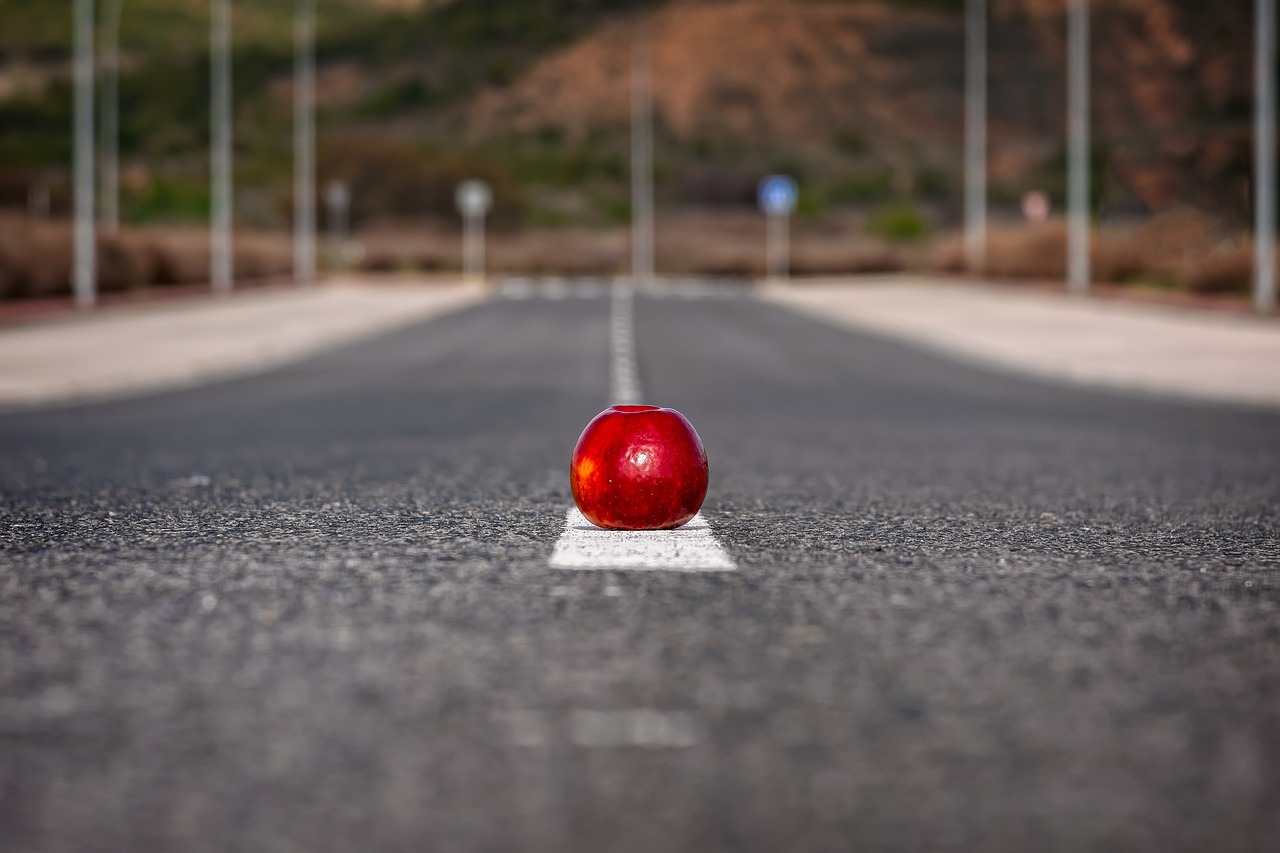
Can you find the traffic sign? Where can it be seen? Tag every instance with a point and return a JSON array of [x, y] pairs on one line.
[[474, 198], [777, 195]]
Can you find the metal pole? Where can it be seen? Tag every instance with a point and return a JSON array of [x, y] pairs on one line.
[[778, 246], [220, 156], [471, 246], [1078, 147], [1264, 153], [304, 144], [975, 136], [111, 118], [641, 158], [85, 279], [38, 201], [338, 199]]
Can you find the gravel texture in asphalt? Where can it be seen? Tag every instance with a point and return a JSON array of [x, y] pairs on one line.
[[311, 610]]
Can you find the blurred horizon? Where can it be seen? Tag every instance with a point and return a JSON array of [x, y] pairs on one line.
[[860, 100]]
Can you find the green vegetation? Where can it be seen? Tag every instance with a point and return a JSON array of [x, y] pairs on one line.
[[546, 159], [852, 143], [861, 187], [900, 222], [150, 29], [167, 199]]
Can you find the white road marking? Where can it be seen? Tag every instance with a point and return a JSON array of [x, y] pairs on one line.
[[582, 545], [594, 729], [638, 727], [624, 375], [691, 548]]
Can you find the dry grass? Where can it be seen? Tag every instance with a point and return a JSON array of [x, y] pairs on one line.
[[689, 242], [1179, 249], [1177, 252], [36, 257]]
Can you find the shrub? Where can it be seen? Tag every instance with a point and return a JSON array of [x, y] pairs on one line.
[[861, 188], [899, 223]]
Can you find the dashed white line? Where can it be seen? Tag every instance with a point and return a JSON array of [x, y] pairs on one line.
[[624, 373], [642, 727]]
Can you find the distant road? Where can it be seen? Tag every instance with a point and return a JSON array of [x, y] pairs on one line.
[[312, 609]]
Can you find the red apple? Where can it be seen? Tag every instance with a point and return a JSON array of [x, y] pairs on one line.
[[639, 468]]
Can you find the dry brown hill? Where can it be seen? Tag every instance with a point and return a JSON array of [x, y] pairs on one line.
[[1170, 79]]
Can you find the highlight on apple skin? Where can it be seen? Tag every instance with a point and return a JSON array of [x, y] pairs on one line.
[[639, 468]]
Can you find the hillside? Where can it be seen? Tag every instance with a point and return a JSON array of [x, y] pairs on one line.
[[862, 99], [1172, 89]]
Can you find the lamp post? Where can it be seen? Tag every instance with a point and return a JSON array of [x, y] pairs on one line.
[[220, 271], [111, 117], [641, 157], [975, 135], [84, 282], [1264, 154], [1078, 147], [304, 144]]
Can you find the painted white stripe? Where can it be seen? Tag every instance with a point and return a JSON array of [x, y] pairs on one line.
[[643, 727], [692, 548], [624, 375]]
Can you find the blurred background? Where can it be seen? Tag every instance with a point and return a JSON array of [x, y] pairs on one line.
[[862, 101]]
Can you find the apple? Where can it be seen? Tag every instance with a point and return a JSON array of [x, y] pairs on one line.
[[639, 468]]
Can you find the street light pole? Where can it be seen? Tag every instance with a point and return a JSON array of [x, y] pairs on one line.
[[85, 277], [641, 157], [304, 144], [1264, 157], [111, 117], [975, 137], [1078, 147], [220, 155]]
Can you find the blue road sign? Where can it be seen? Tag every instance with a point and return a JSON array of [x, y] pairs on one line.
[[777, 195]]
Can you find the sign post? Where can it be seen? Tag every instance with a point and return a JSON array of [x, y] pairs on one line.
[[337, 199], [474, 199], [777, 195]]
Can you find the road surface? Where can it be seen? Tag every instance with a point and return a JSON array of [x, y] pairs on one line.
[[314, 609]]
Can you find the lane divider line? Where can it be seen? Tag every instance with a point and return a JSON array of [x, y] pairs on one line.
[[582, 545], [624, 373], [691, 548]]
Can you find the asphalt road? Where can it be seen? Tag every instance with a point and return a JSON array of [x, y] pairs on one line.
[[311, 610]]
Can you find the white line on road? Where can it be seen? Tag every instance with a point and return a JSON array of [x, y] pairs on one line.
[[624, 373], [642, 727], [691, 548], [582, 545]]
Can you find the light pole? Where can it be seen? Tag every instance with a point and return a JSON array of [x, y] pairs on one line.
[[220, 270], [85, 277], [304, 143], [975, 135], [641, 157], [1078, 147], [111, 117], [1264, 157]]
